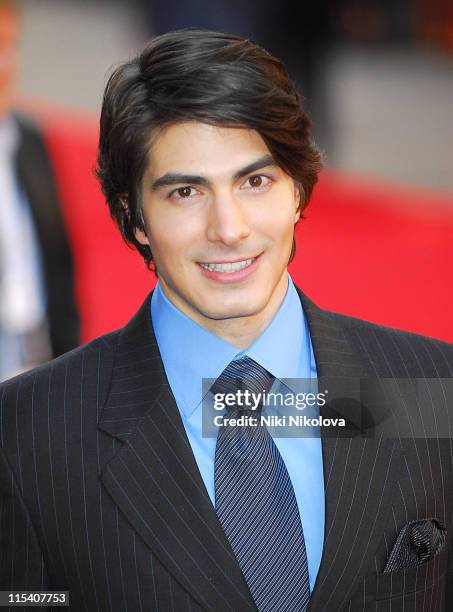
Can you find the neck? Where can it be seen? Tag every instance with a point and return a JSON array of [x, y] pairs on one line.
[[243, 331]]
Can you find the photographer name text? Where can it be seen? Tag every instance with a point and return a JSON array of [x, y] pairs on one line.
[[277, 421]]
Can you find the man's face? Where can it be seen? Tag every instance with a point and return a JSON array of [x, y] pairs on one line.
[[9, 36], [219, 218]]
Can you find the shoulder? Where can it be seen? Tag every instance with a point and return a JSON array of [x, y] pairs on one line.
[[27, 125], [401, 352], [85, 367], [103, 346], [33, 147], [29, 131]]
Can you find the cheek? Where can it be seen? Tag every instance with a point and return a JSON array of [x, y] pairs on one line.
[[276, 222], [277, 214], [171, 236]]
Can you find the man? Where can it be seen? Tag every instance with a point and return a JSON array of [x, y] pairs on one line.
[[38, 315], [109, 488]]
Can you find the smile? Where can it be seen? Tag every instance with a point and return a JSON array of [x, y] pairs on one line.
[[229, 267]]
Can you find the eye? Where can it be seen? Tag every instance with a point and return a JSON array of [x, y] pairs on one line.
[[183, 193], [257, 182]]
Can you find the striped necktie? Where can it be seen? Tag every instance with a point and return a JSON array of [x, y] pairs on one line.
[[255, 501]]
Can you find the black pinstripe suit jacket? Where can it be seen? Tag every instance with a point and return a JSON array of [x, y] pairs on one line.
[[101, 494]]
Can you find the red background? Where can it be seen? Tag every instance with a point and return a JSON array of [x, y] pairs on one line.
[[378, 252]]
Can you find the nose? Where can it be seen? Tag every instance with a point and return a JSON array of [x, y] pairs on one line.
[[226, 221]]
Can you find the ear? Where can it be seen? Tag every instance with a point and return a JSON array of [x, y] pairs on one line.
[[140, 236]]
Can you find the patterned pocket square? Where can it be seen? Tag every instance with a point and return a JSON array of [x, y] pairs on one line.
[[417, 542]]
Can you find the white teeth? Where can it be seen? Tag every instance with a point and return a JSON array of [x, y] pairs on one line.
[[228, 267]]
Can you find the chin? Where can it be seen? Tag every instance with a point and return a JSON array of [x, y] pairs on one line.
[[220, 312]]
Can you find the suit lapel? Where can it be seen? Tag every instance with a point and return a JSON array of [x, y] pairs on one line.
[[155, 480], [359, 473]]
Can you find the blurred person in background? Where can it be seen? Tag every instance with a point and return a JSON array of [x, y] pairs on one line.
[[38, 315]]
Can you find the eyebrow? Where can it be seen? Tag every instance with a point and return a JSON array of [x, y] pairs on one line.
[[175, 178]]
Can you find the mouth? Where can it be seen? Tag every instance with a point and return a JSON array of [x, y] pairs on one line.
[[228, 267], [230, 272]]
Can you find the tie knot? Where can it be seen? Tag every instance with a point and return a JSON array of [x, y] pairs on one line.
[[244, 374]]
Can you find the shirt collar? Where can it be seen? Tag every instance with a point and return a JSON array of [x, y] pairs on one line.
[[191, 352]]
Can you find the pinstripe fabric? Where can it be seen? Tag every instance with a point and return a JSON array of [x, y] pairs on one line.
[[374, 487], [101, 494]]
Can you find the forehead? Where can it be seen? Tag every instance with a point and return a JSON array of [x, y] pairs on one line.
[[193, 147]]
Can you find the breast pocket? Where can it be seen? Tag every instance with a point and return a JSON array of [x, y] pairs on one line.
[[404, 582]]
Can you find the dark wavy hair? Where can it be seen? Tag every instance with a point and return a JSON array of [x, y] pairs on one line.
[[197, 75]]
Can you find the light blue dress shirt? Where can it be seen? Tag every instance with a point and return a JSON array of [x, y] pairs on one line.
[[190, 353]]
